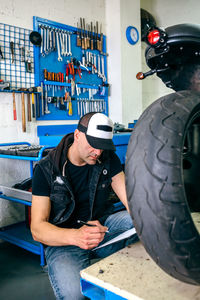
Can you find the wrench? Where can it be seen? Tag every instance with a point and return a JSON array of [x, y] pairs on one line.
[[95, 63], [62, 42], [42, 36], [102, 67], [99, 67], [44, 46], [54, 40], [58, 46], [47, 41], [50, 40], [69, 44], [65, 39], [47, 111]]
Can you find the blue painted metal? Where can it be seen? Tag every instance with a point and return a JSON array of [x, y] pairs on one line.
[[28, 203], [19, 234], [95, 292], [51, 63], [28, 158], [54, 130], [52, 134]]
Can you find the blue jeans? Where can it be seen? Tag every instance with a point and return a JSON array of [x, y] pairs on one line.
[[66, 262]]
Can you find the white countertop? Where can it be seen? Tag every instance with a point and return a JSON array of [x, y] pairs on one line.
[[132, 274]]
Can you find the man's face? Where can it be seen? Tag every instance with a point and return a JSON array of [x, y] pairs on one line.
[[87, 153]]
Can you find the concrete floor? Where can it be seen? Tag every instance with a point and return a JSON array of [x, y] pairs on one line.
[[21, 276]]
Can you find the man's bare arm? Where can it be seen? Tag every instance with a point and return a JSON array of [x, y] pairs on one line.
[[49, 234], [118, 186]]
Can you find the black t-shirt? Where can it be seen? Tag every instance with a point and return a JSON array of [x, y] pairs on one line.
[[79, 177]]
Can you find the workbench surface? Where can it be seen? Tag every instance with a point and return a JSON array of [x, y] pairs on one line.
[[132, 274]]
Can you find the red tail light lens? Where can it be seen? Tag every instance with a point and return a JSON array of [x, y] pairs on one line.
[[154, 37]]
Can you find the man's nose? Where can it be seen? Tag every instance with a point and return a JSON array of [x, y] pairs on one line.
[[98, 151]]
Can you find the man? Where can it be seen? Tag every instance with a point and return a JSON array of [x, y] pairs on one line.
[[71, 186]]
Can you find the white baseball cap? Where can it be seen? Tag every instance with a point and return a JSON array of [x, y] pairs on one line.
[[98, 129]]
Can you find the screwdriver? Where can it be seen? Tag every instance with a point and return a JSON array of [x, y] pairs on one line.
[[29, 107], [33, 105], [70, 112]]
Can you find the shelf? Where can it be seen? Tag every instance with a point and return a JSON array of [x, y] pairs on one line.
[[66, 84], [25, 202], [24, 154], [17, 92], [20, 235]]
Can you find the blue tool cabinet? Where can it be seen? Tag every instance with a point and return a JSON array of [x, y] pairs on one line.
[[52, 134], [19, 234]]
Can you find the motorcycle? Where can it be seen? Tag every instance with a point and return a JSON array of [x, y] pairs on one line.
[[163, 157]]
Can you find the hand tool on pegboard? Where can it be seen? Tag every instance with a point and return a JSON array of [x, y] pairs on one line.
[[29, 107], [42, 98], [70, 112], [23, 113], [37, 105], [91, 37], [33, 105], [78, 40], [82, 36], [36, 108], [14, 108], [4, 85], [47, 111], [85, 36], [1, 53], [12, 49]]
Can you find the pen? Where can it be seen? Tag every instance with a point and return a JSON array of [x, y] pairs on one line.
[[87, 224]]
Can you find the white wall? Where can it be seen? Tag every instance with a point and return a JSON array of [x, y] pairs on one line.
[[131, 63], [166, 13], [124, 60], [114, 60]]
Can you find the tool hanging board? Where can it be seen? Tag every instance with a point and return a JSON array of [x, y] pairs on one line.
[[73, 79], [16, 58]]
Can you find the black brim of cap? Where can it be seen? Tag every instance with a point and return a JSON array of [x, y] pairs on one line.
[[98, 143]]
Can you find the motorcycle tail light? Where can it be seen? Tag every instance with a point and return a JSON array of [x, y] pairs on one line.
[[154, 37]]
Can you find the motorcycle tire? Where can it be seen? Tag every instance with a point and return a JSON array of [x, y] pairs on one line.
[[163, 183]]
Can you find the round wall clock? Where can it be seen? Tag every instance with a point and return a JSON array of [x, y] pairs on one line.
[[132, 35]]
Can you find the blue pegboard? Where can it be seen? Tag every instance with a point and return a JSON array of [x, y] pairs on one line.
[[91, 91]]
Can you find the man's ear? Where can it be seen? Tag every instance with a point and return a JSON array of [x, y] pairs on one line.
[[76, 135]]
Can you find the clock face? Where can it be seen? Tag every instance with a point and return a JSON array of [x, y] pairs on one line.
[[132, 35]]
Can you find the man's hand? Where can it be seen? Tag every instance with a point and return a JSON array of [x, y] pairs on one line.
[[88, 237]]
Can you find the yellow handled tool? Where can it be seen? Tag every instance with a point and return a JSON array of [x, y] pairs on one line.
[[70, 112], [33, 105]]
